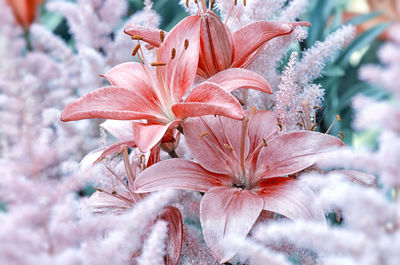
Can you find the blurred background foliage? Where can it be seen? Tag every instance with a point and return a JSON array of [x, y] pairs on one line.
[[340, 78]]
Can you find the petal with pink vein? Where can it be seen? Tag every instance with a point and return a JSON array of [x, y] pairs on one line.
[[234, 78], [209, 99], [227, 211], [178, 174], [288, 197], [115, 103]]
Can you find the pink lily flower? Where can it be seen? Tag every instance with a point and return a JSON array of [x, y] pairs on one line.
[[163, 96], [243, 168], [123, 198], [219, 48]]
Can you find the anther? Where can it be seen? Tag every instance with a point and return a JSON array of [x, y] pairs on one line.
[[341, 135], [244, 2], [203, 134], [187, 3], [114, 192], [317, 107], [186, 44], [235, 2], [264, 142], [136, 49], [212, 2], [136, 37], [253, 109], [313, 127], [338, 118], [227, 146], [98, 189], [162, 36], [157, 64], [300, 125], [280, 125], [173, 53]]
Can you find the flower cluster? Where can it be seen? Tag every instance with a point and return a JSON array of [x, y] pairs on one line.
[[211, 150], [244, 165]]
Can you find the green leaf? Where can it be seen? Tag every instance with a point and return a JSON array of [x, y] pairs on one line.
[[360, 42], [363, 18], [319, 18], [3, 207], [52, 20], [365, 139], [334, 71]]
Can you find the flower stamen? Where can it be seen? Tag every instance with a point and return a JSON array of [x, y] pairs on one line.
[[158, 64], [136, 37]]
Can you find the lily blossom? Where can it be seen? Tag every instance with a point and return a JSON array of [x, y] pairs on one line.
[[123, 198], [220, 49], [243, 168], [163, 96], [24, 11]]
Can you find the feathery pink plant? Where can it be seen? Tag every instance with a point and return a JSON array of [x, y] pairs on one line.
[[241, 168]]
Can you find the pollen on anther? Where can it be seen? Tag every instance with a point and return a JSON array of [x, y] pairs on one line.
[[173, 53], [186, 44], [157, 64], [162, 36], [264, 142], [341, 135], [136, 37], [203, 134], [253, 109], [136, 49], [280, 125], [227, 146], [98, 189], [338, 118]]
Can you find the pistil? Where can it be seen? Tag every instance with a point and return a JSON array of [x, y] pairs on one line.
[[245, 123]]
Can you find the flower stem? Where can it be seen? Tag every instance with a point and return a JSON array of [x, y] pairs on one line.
[[27, 40]]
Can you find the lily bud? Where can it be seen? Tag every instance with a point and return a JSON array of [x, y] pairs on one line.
[[24, 11]]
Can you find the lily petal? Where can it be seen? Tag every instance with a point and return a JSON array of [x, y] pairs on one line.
[[234, 78], [175, 232], [252, 38], [115, 148], [214, 142], [179, 73], [262, 124], [301, 151], [102, 202], [215, 45], [291, 199], [148, 135], [134, 76], [206, 99], [226, 211], [178, 174], [122, 130], [149, 35], [115, 103]]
